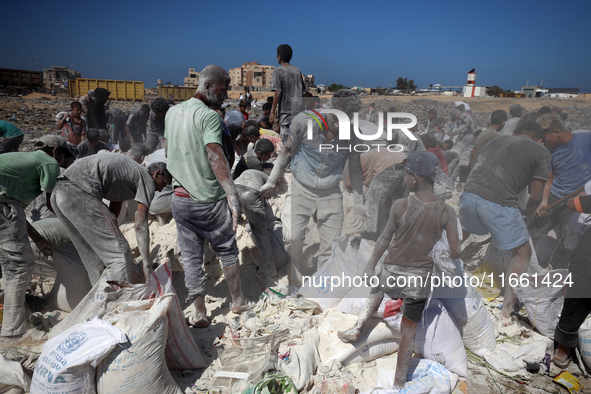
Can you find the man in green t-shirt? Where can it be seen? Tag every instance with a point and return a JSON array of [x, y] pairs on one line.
[[23, 177], [205, 203], [12, 137]]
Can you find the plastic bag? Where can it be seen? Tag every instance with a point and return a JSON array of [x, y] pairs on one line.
[[12, 376]]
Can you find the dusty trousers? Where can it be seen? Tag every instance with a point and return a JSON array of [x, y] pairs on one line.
[[93, 230], [17, 261], [387, 187], [261, 220], [325, 207], [196, 222]]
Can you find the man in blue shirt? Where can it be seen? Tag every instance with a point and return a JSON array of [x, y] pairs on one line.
[[570, 169]]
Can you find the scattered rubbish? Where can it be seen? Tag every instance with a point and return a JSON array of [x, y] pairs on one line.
[[461, 388], [424, 376], [272, 383], [253, 355], [44, 322], [532, 367], [547, 362], [233, 375], [300, 359], [335, 385], [513, 359], [568, 381], [543, 297], [13, 376], [268, 290]]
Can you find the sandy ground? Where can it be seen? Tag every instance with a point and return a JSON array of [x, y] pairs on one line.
[[35, 115]]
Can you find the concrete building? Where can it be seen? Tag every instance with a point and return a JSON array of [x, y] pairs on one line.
[[251, 75], [309, 80], [192, 81], [59, 74], [563, 92], [533, 91]]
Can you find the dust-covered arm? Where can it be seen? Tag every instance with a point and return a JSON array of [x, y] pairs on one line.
[[450, 223], [62, 122], [281, 163], [464, 127], [42, 244], [142, 234], [221, 169], [276, 100], [386, 237], [128, 133], [541, 209], [356, 177]]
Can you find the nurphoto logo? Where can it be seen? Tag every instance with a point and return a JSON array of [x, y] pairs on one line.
[[393, 120]]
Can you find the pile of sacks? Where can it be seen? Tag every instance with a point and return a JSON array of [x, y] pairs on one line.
[[137, 333]]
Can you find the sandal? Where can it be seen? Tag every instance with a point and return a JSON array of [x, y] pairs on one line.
[[563, 364]]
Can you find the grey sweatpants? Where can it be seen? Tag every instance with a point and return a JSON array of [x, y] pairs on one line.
[[326, 208], [94, 231], [261, 220], [17, 261], [196, 222]]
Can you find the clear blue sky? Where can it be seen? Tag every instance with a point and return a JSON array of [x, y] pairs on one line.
[[366, 43]]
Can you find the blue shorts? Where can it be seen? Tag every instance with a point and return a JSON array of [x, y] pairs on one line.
[[480, 216]]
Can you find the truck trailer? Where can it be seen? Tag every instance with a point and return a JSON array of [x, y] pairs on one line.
[[14, 82], [120, 90]]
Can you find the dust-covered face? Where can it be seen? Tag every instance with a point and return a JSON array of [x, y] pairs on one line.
[[216, 94], [411, 181], [76, 112]]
